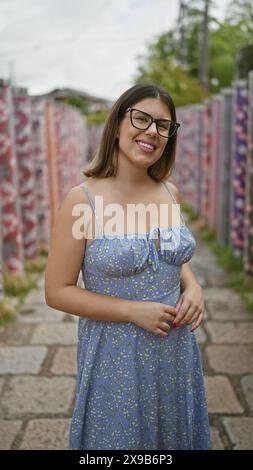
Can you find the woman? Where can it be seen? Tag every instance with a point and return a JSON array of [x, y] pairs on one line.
[[140, 380]]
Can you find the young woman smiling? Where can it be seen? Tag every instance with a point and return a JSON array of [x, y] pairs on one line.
[[140, 380]]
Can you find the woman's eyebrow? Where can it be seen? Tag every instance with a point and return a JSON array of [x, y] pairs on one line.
[[160, 118]]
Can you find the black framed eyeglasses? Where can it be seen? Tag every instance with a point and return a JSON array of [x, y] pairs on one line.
[[141, 120]]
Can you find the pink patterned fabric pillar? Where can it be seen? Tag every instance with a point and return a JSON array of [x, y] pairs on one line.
[[187, 169], [215, 162], [13, 252], [1, 259], [206, 142]]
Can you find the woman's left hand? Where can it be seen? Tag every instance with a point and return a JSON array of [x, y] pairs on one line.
[[190, 307]]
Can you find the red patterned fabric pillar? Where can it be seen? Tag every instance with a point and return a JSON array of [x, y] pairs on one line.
[[26, 170]]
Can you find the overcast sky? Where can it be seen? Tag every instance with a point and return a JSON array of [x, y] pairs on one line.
[[91, 45]]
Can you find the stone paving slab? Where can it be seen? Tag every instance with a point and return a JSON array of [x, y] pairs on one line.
[[223, 294], [231, 359], [228, 332], [36, 296], [21, 360], [46, 434], [240, 431], [8, 432], [38, 395], [1, 384], [217, 443], [65, 361], [33, 313], [15, 334], [221, 397], [60, 333], [220, 311], [247, 386]]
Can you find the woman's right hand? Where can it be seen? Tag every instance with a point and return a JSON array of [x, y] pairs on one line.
[[152, 316]]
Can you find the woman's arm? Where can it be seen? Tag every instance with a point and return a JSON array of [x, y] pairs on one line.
[[187, 278], [190, 307], [66, 254]]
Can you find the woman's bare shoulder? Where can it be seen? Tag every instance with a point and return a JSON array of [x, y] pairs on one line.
[[174, 190]]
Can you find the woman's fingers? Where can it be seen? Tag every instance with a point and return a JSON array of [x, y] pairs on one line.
[[189, 316], [183, 311], [171, 311], [165, 326], [159, 332], [197, 323]]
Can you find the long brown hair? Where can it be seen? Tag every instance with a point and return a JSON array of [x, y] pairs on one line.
[[105, 162]]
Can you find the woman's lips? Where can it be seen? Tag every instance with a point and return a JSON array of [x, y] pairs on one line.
[[145, 146]]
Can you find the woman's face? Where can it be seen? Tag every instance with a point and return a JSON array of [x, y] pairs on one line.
[[143, 147]]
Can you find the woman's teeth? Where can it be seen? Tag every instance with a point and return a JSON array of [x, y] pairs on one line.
[[144, 145]]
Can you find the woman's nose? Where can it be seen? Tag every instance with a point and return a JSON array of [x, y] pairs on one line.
[[152, 129]]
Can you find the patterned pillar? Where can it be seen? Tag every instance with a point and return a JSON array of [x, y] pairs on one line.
[[1, 259], [238, 167], [26, 170], [248, 243], [52, 161], [39, 149], [206, 142], [61, 142], [223, 227], [214, 171], [13, 254]]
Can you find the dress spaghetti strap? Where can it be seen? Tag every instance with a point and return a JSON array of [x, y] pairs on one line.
[[92, 205], [173, 198]]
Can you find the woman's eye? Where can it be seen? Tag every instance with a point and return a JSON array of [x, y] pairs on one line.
[[164, 125], [142, 118]]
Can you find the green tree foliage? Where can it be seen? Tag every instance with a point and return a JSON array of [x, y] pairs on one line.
[[175, 66], [240, 13], [182, 87], [78, 102]]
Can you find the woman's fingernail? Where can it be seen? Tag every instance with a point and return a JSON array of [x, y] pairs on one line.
[[174, 324]]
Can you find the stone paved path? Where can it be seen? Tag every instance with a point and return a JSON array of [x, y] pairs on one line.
[[38, 367]]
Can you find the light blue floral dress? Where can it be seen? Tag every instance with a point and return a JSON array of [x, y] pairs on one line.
[[137, 390]]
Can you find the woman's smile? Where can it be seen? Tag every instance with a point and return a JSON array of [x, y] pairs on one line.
[[146, 146]]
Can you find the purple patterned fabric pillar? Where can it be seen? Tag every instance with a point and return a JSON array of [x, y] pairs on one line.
[[248, 242], [238, 166]]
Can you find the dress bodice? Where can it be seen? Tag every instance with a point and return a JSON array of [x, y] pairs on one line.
[[120, 261]]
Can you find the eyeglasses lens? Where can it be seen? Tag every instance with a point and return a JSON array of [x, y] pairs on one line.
[[143, 121]]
